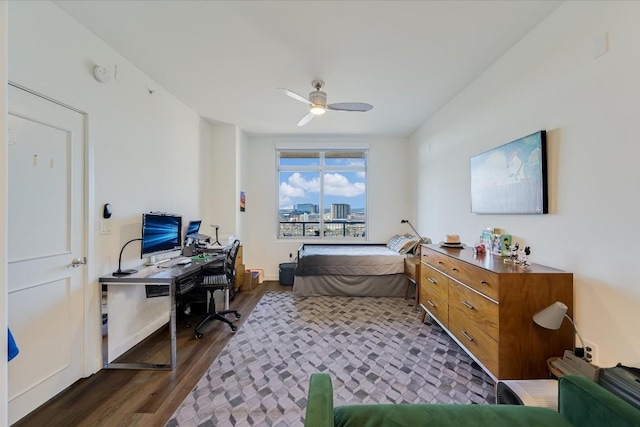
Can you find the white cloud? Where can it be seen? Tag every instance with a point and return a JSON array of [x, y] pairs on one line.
[[336, 184], [308, 186], [297, 187]]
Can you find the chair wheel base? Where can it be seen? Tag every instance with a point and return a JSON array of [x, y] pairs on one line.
[[198, 335], [238, 316]]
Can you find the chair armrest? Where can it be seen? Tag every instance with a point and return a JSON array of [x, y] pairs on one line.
[[319, 402], [585, 403]]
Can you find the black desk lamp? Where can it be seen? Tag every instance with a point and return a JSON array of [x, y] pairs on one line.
[[216, 227], [406, 221], [120, 271]]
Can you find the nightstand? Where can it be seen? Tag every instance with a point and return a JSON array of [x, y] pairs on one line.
[[411, 271]]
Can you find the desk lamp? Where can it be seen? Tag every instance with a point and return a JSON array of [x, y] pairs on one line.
[[217, 227], [422, 239], [552, 317], [406, 221], [120, 271]]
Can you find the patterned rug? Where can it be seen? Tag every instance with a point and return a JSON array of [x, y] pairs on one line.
[[375, 349]]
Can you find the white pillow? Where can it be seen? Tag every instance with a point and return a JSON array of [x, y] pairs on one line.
[[394, 241], [407, 244]]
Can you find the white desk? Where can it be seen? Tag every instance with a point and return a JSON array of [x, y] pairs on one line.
[[153, 275]]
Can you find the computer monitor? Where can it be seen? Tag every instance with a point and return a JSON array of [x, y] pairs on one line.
[[193, 227], [161, 233]]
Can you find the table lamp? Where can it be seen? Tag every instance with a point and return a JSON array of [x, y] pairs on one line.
[[552, 317]]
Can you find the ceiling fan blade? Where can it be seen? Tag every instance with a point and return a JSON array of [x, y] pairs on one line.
[[306, 119], [295, 95], [350, 106]]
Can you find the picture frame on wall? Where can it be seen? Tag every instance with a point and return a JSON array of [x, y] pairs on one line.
[[242, 201], [512, 178]]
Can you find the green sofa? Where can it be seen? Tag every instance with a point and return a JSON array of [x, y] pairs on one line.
[[582, 402]]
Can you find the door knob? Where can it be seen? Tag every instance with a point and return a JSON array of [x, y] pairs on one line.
[[77, 262]]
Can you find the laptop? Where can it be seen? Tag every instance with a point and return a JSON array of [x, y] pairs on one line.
[[193, 231], [193, 227]]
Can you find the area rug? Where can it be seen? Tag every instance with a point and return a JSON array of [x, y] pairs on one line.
[[375, 349]]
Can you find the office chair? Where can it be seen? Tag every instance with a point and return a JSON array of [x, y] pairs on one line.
[[219, 279]]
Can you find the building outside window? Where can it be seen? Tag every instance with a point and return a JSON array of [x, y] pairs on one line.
[[322, 194]]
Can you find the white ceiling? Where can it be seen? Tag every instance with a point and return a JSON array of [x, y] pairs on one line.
[[227, 59]]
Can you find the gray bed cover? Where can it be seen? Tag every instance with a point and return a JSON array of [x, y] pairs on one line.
[[350, 260]]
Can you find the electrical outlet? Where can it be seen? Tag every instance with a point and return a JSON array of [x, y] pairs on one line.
[[590, 352]]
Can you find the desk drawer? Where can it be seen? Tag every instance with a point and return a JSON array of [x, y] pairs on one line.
[[475, 309], [434, 282]]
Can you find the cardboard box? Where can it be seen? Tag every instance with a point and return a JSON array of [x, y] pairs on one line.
[[250, 280], [260, 274]]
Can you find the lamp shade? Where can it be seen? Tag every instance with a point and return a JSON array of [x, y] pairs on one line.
[[552, 316]]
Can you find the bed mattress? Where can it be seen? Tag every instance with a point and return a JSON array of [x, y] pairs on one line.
[[349, 260]]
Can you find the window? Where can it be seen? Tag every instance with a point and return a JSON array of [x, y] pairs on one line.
[[322, 194]]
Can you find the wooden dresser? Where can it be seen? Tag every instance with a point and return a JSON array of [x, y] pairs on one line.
[[487, 306]]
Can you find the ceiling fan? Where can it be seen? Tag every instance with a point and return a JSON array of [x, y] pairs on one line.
[[317, 102]]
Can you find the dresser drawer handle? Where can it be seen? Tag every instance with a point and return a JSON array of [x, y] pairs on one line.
[[483, 282], [440, 262], [434, 281], [467, 336], [456, 270], [468, 305], [431, 304]]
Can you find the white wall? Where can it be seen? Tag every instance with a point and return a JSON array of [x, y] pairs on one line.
[[225, 196], [388, 195], [145, 150], [3, 210], [589, 106]]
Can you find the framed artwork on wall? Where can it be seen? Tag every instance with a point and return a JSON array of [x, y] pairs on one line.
[[242, 201], [512, 178]]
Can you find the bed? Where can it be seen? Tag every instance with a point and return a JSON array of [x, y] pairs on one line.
[[352, 269]]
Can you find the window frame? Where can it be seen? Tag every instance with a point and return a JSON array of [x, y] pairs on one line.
[[322, 168]]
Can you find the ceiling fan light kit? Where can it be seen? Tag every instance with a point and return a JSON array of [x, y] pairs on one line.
[[317, 102], [317, 109]]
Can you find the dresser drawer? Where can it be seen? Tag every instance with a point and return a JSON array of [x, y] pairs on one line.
[[477, 278], [436, 306], [434, 282], [482, 346], [475, 309], [436, 260]]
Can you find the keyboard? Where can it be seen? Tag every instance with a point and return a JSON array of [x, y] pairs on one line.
[[174, 262]]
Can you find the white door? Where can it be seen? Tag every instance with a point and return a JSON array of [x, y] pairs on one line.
[[46, 234]]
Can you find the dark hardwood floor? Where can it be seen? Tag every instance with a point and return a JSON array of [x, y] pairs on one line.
[[145, 398]]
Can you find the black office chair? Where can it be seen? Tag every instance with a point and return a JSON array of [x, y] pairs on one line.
[[219, 279]]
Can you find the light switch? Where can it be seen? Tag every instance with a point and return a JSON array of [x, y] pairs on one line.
[[105, 227]]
